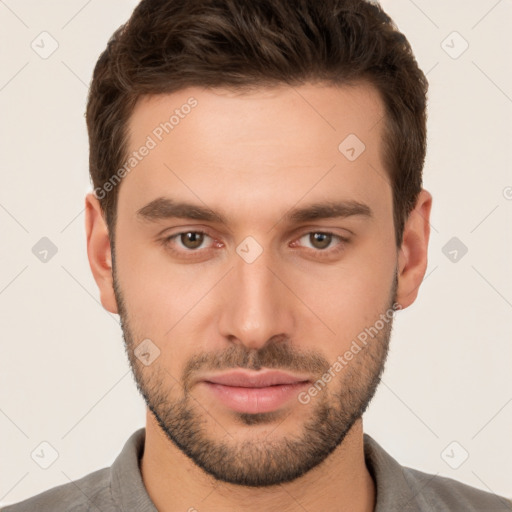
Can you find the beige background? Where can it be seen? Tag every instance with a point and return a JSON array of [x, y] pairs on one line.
[[64, 376]]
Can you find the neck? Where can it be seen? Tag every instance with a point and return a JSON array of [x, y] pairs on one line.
[[340, 483]]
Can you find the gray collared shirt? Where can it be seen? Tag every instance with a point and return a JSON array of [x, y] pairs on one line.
[[399, 489]]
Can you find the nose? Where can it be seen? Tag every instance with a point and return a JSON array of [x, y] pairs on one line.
[[257, 304]]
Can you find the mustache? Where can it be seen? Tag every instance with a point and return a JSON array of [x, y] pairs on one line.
[[276, 354]]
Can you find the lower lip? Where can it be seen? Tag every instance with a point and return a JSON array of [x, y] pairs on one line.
[[255, 400]]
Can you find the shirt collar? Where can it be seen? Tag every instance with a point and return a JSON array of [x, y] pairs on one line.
[[396, 490], [126, 483]]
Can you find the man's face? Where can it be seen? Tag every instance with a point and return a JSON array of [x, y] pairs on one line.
[[265, 290]]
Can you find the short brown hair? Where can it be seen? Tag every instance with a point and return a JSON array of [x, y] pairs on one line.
[[168, 45]]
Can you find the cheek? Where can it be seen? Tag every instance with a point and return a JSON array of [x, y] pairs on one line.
[[147, 297], [165, 302], [343, 300]]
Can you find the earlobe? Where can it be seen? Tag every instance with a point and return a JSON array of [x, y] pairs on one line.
[[412, 257], [99, 252]]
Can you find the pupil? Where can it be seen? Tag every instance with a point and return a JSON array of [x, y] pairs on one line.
[[323, 238], [193, 239]]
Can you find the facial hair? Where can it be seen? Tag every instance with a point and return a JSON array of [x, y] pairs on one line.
[[333, 411]]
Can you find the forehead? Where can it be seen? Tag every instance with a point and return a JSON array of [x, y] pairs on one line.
[[266, 146], [321, 110]]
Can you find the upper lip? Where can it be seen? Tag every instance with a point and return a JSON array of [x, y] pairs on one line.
[[253, 379]]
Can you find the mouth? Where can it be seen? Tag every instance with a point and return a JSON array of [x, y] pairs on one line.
[[255, 392]]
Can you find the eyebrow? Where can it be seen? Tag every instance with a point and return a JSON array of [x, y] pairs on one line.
[[166, 208]]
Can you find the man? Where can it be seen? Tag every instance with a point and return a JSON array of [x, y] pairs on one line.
[[257, 219]]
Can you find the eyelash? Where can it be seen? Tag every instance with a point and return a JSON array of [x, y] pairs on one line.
[[319, 252]]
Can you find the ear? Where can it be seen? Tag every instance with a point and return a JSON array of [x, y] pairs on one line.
[[412, 258], [98, 252]]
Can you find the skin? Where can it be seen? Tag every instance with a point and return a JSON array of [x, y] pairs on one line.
[[262, 152]]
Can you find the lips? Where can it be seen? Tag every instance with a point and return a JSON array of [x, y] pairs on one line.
[[255, 392], [244, 379]]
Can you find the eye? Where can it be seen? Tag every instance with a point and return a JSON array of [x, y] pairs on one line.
[[189, 240], [192, 239], [321, 241]]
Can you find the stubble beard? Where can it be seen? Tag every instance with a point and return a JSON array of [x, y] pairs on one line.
[[267, 462]]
